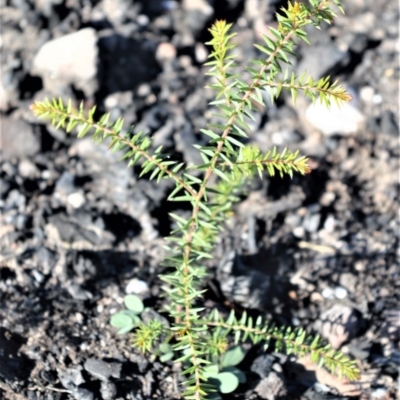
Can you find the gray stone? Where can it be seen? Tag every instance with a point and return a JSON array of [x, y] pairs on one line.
[[244, 285], [71, 378], [70, 59], [348, 281], [27, 169], [82, 394], [98, 368], [16, 200], [311, 222], [8, 89], [343, 120], [102, 370], [65, 185], [338, 325], [46, 6], [108, 390], [391, 325], [318, 59], [272, 387], [262, 365], [379, 394], [197, 13], [78, 293], [17, 139]]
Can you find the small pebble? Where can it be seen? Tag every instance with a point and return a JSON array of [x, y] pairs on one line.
[[311, 222], [366, 94], [315, 297], [98, 368], [27, 169], [271, 387], [142, 20], [39, 277], [379, 394], [321, 388], [76, 199], [298, 232], [136, 286], [70, 378], [340, 293], [327, 293], [143, 90], [201, 53], [79, 318], [344, 120], [330, 223], [377, 99], [165, 52], [82, 394], [108, 390]]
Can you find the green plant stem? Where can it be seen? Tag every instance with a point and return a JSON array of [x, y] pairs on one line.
[[72, 116], [328, 355]]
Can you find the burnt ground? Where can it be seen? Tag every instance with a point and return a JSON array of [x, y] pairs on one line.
[[320, 251]]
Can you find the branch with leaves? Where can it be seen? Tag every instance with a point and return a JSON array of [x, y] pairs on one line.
[[197, 334]]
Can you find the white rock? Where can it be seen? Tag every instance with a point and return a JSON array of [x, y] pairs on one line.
[[377, 99], [165, 52], [27, 169], [340, 292], [136, 286], [201, 53], [76, 199], [46, 6], [143, 20], [330, 223], [379, 394], [344, 120], [201, 6], [366, 94], [299, 232], [70, 59], [327, 293]]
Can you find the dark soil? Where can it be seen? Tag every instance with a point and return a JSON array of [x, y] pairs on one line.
[[77, 226]]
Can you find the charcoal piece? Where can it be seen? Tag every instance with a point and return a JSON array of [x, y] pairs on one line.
[[14, 365], [262, 365]]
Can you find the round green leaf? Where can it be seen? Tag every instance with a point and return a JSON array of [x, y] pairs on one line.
[[129, 313], [136, 320], [211, 370], [167, 357], [233, 356], [228, 382], [125, 329], [165, 348], [133, 303], [237, 372], [120, 320]]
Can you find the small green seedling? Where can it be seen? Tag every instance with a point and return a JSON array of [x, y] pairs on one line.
[[224, 374], [126, 320], [196, 335]]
